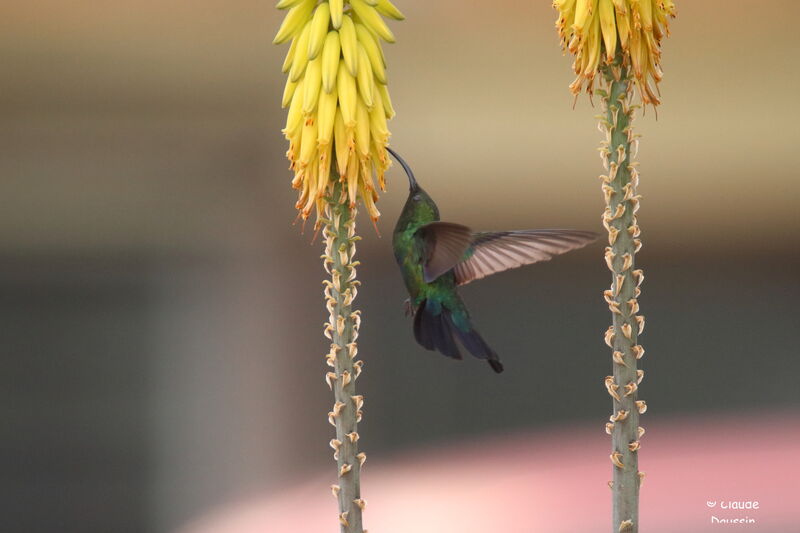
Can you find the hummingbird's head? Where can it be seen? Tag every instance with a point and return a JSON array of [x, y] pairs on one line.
[[419, 207]]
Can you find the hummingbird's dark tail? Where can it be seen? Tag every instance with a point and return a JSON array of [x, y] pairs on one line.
[[434, 329]]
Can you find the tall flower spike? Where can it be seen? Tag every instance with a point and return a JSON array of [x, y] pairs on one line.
[[338, 107], [338, 100], [593, 30], [618, 42]]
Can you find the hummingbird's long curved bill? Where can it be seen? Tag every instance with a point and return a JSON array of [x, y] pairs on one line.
[[412, 181]]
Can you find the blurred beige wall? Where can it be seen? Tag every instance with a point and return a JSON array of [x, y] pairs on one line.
[[480, 90]]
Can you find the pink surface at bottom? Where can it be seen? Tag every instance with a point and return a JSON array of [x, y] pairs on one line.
[[556, 482]]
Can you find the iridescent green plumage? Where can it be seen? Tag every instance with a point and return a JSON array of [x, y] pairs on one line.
[[436, 257]]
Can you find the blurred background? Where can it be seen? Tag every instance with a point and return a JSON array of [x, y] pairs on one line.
[[161, 316]]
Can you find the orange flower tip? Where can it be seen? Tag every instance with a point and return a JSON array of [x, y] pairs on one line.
[[317, 227], [375, 225]]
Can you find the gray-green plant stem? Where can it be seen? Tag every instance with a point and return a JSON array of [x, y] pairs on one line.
[[619, 218], [342, 330]]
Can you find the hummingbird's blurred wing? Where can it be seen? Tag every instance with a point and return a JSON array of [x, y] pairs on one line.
[[444, 246], [493, 252]]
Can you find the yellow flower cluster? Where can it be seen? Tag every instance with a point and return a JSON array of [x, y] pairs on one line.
[[592, 29], [337, 98]]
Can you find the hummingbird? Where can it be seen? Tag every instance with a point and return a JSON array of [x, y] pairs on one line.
[[435, 258]]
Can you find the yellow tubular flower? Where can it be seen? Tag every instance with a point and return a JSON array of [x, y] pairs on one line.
[[593, 29], [337, 98]]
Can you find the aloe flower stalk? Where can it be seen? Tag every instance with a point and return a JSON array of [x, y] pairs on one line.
[[338, 106], [620, 40]]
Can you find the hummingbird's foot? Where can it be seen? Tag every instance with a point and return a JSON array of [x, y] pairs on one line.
[[409, 309]]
